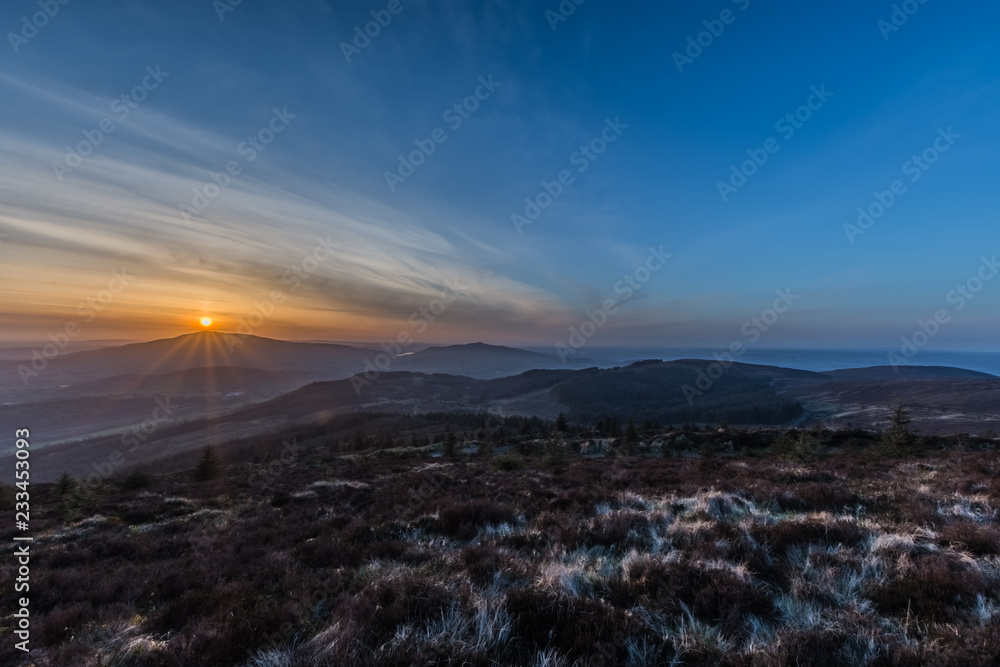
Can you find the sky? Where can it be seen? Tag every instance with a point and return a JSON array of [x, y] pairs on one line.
[[712, 155]]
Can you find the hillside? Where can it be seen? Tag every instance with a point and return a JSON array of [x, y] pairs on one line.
[[645, 391], [941, 401], [402, 557]]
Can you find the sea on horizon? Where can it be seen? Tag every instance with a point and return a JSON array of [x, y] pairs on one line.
[[808, 360]]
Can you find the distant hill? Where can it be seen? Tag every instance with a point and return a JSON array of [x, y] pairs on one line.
[[479, 360], [306, 361], [653, 391], [213, 349], [84, 409], [225, 387], [680, 391], [909, 373], [218, 380]]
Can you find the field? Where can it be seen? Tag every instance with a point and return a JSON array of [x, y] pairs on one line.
[[696, 553]]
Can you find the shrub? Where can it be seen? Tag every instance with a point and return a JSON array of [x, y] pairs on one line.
[[979, 540], [63, 621], [804, 447], [814, 497], [716, 596], [465, 519], [383, 606], [580, 628], [786, 534], [935, 587], [482, 563], [621, 529], [136, 480], [509, 461]]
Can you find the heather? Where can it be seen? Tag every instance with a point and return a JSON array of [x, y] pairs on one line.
[[659, 546]]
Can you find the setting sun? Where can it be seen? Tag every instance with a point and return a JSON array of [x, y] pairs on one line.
[[206, 321]]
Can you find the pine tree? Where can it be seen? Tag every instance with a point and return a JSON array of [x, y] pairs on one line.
[[706, 449], [359, 442], [65, 484], [561, 425], [631, 437], [208, 466], [800, 446], [898, 440], [449, 449], [784, 445], [808, 448], [486, 448], [555, 450]]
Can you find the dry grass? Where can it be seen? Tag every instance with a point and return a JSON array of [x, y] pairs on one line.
[[620, 560]]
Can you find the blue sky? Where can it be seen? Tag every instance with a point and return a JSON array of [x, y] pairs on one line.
[[323, 176]]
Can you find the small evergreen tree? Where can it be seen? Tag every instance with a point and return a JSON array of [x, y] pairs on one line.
[[65, 484], [800, 446], [807, 448], [631, 437], [706, 449], [450, 446], [783, 445], [555, 450], [667, 450], [360, 441], [208, 466], [898, 440], [136, 480], [561, 425], [486, 448]]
